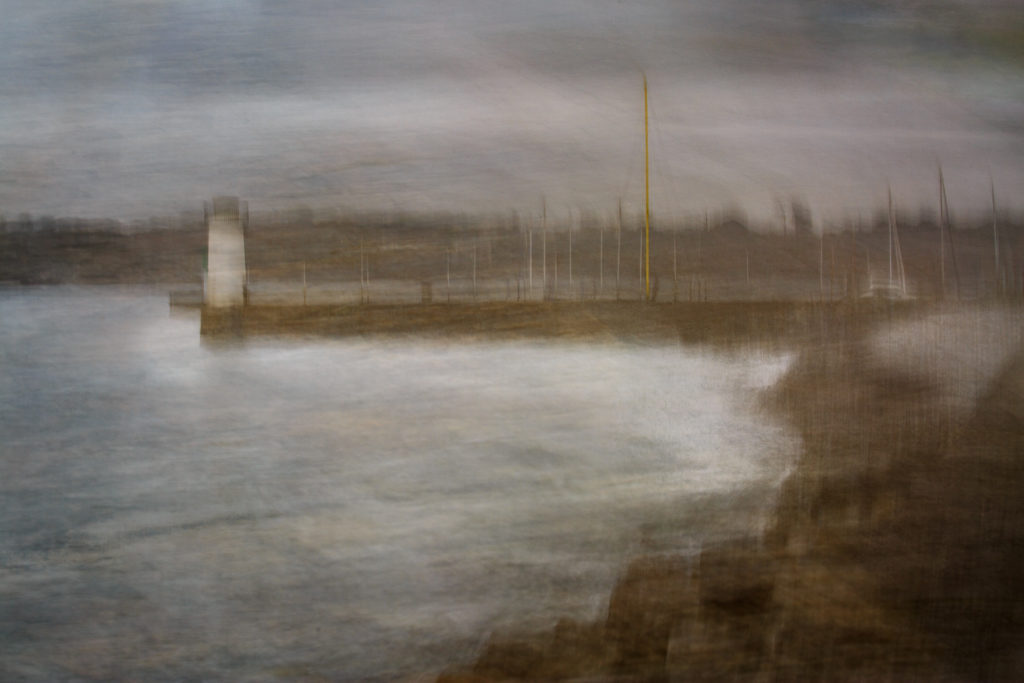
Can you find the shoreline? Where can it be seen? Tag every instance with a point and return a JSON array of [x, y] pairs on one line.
[[894, 550]]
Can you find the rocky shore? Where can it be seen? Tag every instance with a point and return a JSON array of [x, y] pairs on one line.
[[897, 545]]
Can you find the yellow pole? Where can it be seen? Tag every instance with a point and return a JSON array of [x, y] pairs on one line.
[[647, 205]]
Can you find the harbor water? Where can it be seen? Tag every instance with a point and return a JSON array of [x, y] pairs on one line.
[[351, 509]]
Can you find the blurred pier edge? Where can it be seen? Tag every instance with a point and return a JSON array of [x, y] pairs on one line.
[[723, 282]]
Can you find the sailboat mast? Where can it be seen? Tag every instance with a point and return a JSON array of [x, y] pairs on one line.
[[647, 204], [942, 232], [618, 250], [949, 236], [570, 252], [821, 264], [544, 248], [890, 235], [529, 263], [895, 251], [995, 232]]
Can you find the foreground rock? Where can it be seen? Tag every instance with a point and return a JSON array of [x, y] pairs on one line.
[[897, 547]]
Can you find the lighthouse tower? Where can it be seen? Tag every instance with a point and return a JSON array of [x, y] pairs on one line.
[[225, 277]]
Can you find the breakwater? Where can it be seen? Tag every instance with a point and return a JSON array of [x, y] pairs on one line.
[[718, 323]]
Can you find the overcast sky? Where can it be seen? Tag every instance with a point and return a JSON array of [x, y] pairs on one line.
[[128, 108]]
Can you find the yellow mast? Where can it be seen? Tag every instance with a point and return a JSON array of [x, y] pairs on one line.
[[647, 205]]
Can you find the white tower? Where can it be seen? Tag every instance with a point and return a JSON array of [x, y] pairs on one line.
[[225, 279]]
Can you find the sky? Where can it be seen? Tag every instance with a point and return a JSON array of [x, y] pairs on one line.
[[133, 108]]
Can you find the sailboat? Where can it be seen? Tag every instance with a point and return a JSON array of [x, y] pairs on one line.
[[946, 236], [896, 286]]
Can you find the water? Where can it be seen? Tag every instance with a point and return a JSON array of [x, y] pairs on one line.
[[351, 509]]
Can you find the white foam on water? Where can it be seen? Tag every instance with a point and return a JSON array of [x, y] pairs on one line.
[[366, 508]]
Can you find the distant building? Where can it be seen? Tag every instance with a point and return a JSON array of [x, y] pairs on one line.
[[225, 277]]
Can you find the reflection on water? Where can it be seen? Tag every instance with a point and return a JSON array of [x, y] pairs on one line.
[[346, 508]]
